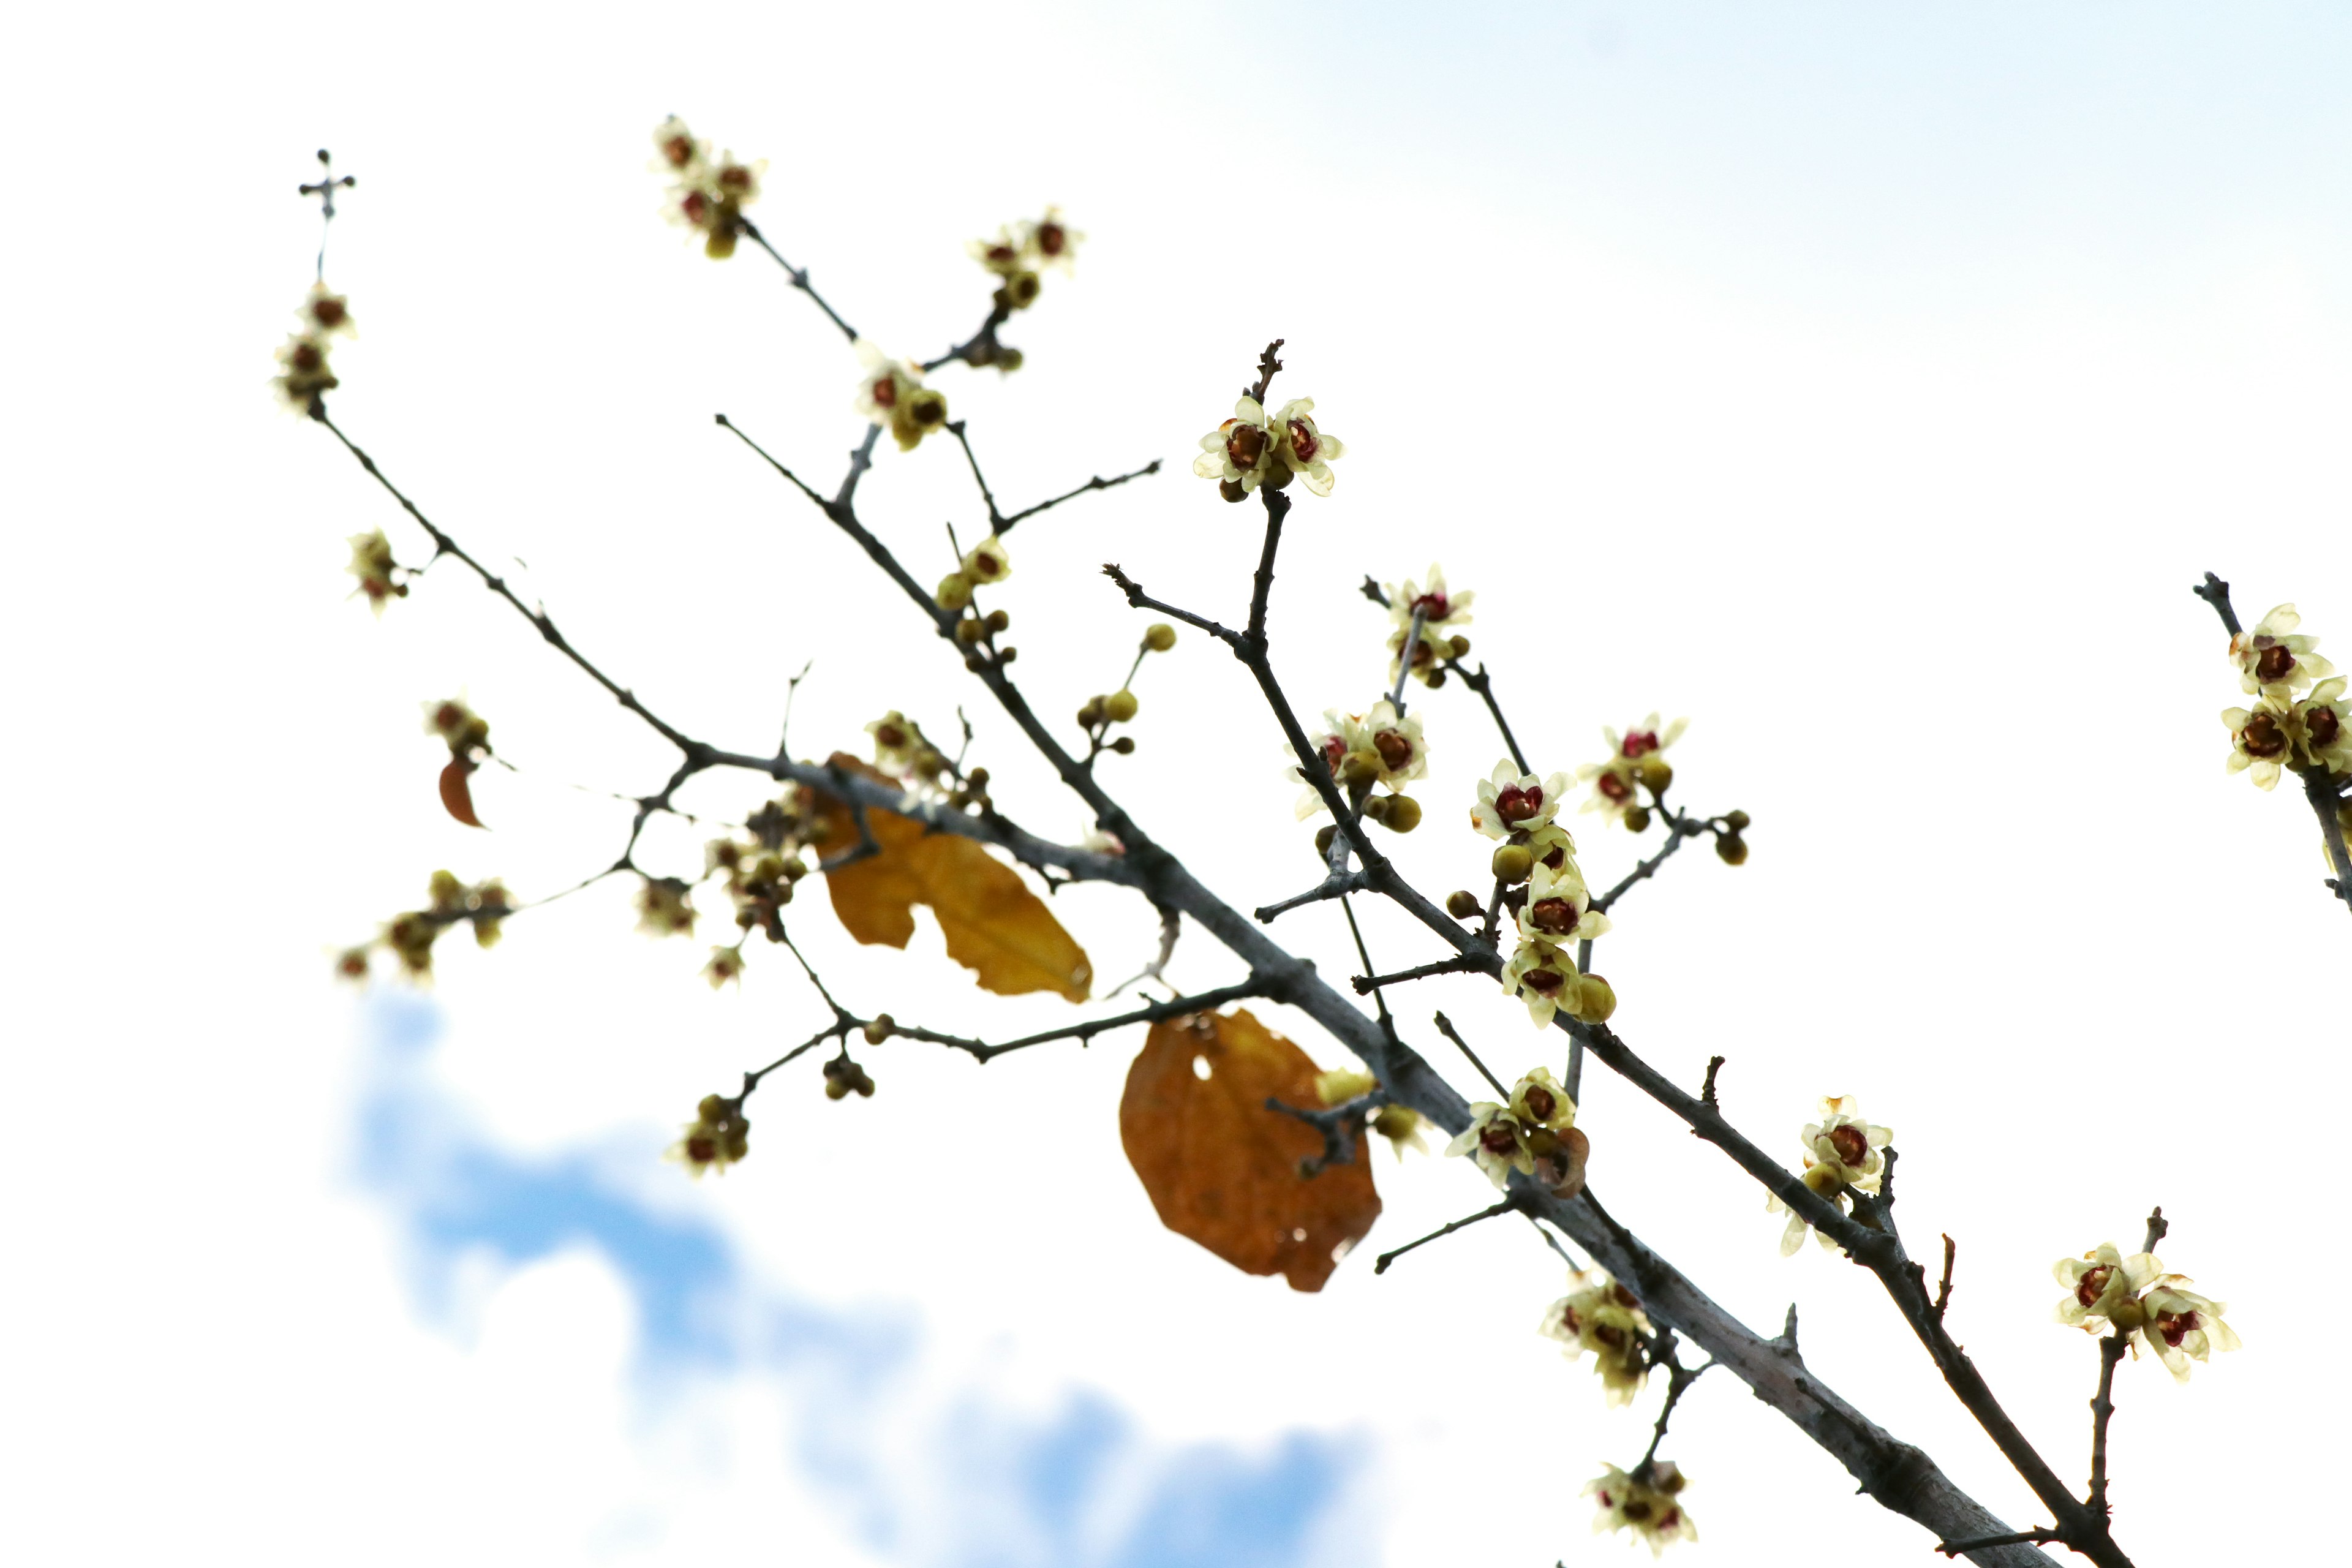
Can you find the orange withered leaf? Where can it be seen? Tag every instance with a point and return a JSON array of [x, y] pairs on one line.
[[457, 793], [993, 924], [1221, 1168]]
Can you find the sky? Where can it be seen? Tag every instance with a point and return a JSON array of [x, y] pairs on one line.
[[1868, 384]]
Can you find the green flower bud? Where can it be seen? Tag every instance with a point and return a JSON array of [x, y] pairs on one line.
[[1737, 821], [1594, 1000], [880, 1029], [1323, 837], [954, 591], [1404, 813], [1124, 745], [1121, 705], [998, 620], [1637, 818], [1731, 848], [1656, 771], [1462, 904], [1160, 636], [1512, 863]]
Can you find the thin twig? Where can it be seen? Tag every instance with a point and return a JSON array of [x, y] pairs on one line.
[[1381, 1265], [799, 275], [1445, 1028], [1096, 483], [1365, 985]]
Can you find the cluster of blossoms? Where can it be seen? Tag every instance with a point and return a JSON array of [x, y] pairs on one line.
[[1362, 750], [303, 374], [1399, 1125], [893, 395], [1251, 449], [707, 195], [409, 937], [2135, 1296], [1534, 1135], [1602, 1317], [761, 868], [1646, 1502], [1017, 254], [1634, 758], [1439, 612], [381, 578], [2297, 723], [719, 1136], [466, 731], [1842, 1150], [1542, 884]]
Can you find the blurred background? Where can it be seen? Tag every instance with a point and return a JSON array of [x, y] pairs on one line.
[[1870, 386]]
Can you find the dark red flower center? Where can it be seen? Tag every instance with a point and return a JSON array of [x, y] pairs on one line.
[[1635, 1509], [2262, 737], [1334, 749], [1669, 1519], [1516, 804], [2325, 725], [2273, 663], [1610, 1334], [1554, 915], [1558, 857], [1498, 1138], [2092, 1285], [1614, 787], [306, 357], [1244, 445], [1542, 1103], [696, 208], [1570, 1320], [2175, 1326], [1640, 744], [1851, 1145], [1395, 749], [328, 313], [679, 151], [1303, 442], [890, 736], [886, 392], [701, 1148], [1431, 606], [1052, 238], [1546, 981]]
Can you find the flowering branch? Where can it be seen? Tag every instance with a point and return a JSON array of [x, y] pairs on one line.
[[2111, 1351]]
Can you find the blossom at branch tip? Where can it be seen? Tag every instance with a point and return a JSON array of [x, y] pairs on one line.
[[2182, 1326], [1842, 1150], [2324, 739], [374, 569], [707, 195], [327, 313], [303, 373], [2261, 739], [987, 562], [1558, 908], [725, 965], [2272, 658], [1511, 802], [1646, 1502], [1252, 449], [1599, 1316], [1440, 613], [465, 730], [719, 1136], [2103, 1287], [893, 395]]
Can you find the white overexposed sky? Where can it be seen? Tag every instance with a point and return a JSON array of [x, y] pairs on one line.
[[1869, 383]]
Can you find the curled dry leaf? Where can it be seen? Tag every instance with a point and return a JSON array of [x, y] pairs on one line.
[[457, 794], [995, 925], [1223, 1169]]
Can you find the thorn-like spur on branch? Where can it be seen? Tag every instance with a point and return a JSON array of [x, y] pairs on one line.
[[1944, 1287], [799, 275], [1380, 1264], [1707, 1090], [1137, 599], [1373, 590], [1333, 886], [1096, 483], [996, 523], [1365, 985], [1266, 365], [1678, 1381], [2216, 593], [2046, 1536], [1445, 1027], [1343, 1127]]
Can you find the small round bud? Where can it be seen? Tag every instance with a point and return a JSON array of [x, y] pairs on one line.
[[1459, 646], [1737, 821], [1160, 636], [712, 1108], [1594, 1000], [1007, 655], [1358, 769], [1377, 808], [1403, 815], [1637, 818], [865, 1085], [737, 1142], [1512, 863], [1323, 837], [1462, 904], [1121, 705], [1231, 490], [1656, 771], [998, 620], [1124, 745], [1731, 848], [834, 1088], [1091, 714], [880, 1029], [1007, 360], [954, 591], [974, 663], [1434, 679], [970, 630], [977, 778]]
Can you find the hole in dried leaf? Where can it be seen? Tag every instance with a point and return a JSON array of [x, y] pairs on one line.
[[1298, 1233], [1200, 1067]]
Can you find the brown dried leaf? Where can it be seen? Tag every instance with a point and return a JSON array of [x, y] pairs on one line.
[[457, 793], [1221, 1168], [995, 925]]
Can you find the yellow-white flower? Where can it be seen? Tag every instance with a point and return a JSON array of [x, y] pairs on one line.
[[1647, 1503], [1052, 242], [1511, 802], [2271, 657], [987, 562], [1441, 612], [2261, 739], [896, 739], [2323, 737], [1843, 1140], [665, 907], [1497, 1139], [372, 565], [1241, 452], [1633, 758], [1304, 449], [1544, 976], [893, 395], [1558, 908], [677, 152], [1395, 745], [2183, 1326], [1602, 1317], [327, 313], [719, 1136], [2102, 1286]]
